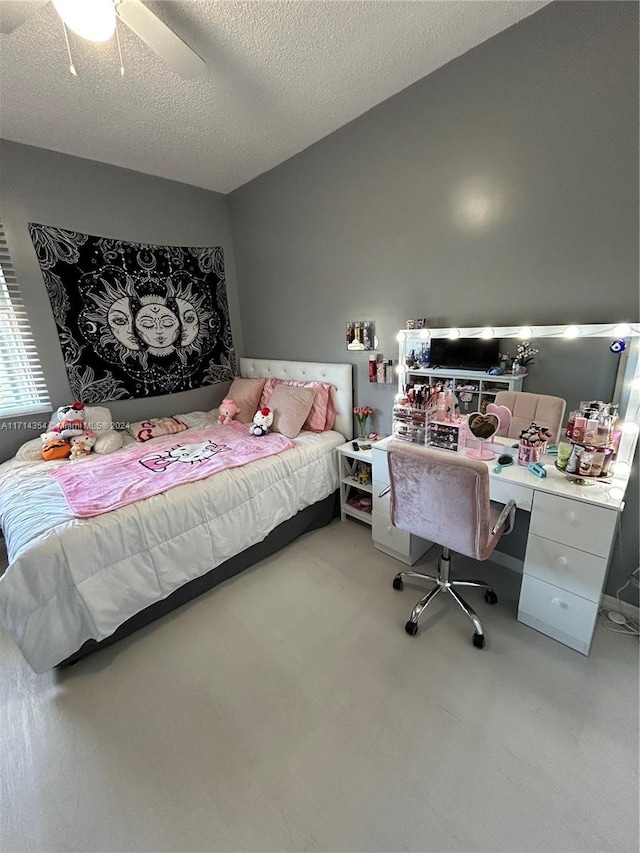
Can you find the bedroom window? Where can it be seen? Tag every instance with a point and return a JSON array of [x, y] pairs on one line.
[[23, 390]]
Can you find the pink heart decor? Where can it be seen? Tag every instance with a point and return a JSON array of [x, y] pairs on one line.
[[503, 414]]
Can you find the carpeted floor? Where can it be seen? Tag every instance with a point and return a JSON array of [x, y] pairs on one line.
[[288, 710]]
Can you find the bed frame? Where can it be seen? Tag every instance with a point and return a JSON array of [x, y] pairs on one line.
[[308, 519]]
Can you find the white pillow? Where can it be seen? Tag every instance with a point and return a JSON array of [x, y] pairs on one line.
[[200, 420], [108, 441], [31, 451], [98, 418]]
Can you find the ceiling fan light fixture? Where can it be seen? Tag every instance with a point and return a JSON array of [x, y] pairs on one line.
[[94, 20]]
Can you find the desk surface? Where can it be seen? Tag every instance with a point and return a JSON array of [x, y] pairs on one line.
[[608, 493]]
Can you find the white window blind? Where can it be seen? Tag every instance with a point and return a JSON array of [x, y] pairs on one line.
[[22, 387]]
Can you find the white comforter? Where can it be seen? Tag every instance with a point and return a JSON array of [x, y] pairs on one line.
[[72, 579]]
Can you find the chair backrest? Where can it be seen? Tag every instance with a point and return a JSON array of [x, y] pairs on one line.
[[544, 409], [442, 496]]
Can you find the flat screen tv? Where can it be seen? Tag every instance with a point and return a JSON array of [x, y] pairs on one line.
[[464, 353]]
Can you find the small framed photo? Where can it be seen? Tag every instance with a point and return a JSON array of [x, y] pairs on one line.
[[361, 335]]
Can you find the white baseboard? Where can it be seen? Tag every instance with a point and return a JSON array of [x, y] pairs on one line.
[[610, 602]]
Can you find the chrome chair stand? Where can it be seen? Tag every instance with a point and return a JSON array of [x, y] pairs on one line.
[[444, 583]]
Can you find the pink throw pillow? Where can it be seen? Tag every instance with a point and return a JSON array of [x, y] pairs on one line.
[[290, 406], [144, 430], [322, 415], [245, 393]]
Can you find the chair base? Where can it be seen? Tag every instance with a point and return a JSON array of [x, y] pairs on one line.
[[443, 583]]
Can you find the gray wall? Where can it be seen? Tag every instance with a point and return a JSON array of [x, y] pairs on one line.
[[499, 190], [55, 189]]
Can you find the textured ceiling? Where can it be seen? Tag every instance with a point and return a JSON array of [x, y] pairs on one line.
[[280, 76]]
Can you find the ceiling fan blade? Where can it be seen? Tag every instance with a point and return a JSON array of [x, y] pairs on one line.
[[162, 40], [13, 13]]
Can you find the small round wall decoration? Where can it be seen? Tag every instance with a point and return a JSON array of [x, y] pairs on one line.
[[618, 346]]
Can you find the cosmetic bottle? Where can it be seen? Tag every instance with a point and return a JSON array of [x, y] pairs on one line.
[[441, 407], [574, 460], [389, 370], [570, 423], [579, 427], [591, 430], [373, 374], [380, 371]]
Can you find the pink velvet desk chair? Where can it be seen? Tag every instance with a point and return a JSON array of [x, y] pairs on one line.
[[444, 496]]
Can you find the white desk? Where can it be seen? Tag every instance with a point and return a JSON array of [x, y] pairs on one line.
[[572, 531]]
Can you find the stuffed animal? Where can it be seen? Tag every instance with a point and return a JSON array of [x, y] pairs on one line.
[[262, 420], [228, 410], [81, 445], [56, 448], [69, 422]]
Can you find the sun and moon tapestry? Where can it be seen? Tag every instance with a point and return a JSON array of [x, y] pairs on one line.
[[134, 319]]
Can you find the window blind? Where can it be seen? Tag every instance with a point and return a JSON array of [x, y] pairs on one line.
[[23, 390]]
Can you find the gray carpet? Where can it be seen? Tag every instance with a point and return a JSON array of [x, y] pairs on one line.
[[288, 710]]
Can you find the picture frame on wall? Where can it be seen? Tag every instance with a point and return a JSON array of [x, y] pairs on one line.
[[361, 335]]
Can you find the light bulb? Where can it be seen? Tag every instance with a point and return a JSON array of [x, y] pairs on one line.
[[635, 383], [571, 332], [631, 428], [487, 333], [400, 369], [622, 330], [401, 337], [424, 334], [616, 494], [94, 20], [525, 333], [454, 334]]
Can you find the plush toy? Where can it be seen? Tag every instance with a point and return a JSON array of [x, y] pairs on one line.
[[70, 422], [81, 445], [228, 410], [262, 420], [56, 448]]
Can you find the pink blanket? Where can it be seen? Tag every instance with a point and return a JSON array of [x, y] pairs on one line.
[[143, 471]]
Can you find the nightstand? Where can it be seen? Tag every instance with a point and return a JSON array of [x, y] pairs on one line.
[[356, 483]]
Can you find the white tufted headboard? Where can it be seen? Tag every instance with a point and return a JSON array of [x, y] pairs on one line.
[[339, 375]]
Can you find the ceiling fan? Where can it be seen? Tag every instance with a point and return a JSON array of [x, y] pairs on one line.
[[95, 20]]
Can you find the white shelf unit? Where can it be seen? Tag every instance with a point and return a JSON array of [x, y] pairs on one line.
[[481, 385], [351, 461]]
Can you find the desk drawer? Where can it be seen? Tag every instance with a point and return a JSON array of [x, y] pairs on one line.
[[380, 465], [565, 567], [381, 505], [390, 537], [568, 618], [580, 525], [503, 491]]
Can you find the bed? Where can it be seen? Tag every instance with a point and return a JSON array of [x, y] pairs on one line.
[[75, 584]]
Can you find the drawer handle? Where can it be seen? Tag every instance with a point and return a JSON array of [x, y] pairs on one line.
[[560, 603], [562, 561]]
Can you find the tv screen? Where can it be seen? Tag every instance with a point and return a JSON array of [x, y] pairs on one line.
[[465, 353]]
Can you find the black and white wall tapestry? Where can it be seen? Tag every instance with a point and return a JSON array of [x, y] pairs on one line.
[[135, 320]]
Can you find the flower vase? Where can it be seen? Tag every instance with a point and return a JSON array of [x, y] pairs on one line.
[[362, 431]]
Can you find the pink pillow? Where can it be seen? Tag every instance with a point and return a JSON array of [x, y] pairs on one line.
[[144, 430], [322, 415], [245, 393], [290, 406]]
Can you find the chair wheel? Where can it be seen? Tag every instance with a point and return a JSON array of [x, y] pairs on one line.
[[479, 641], [490, 597], [397, 582], [411, 628]]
